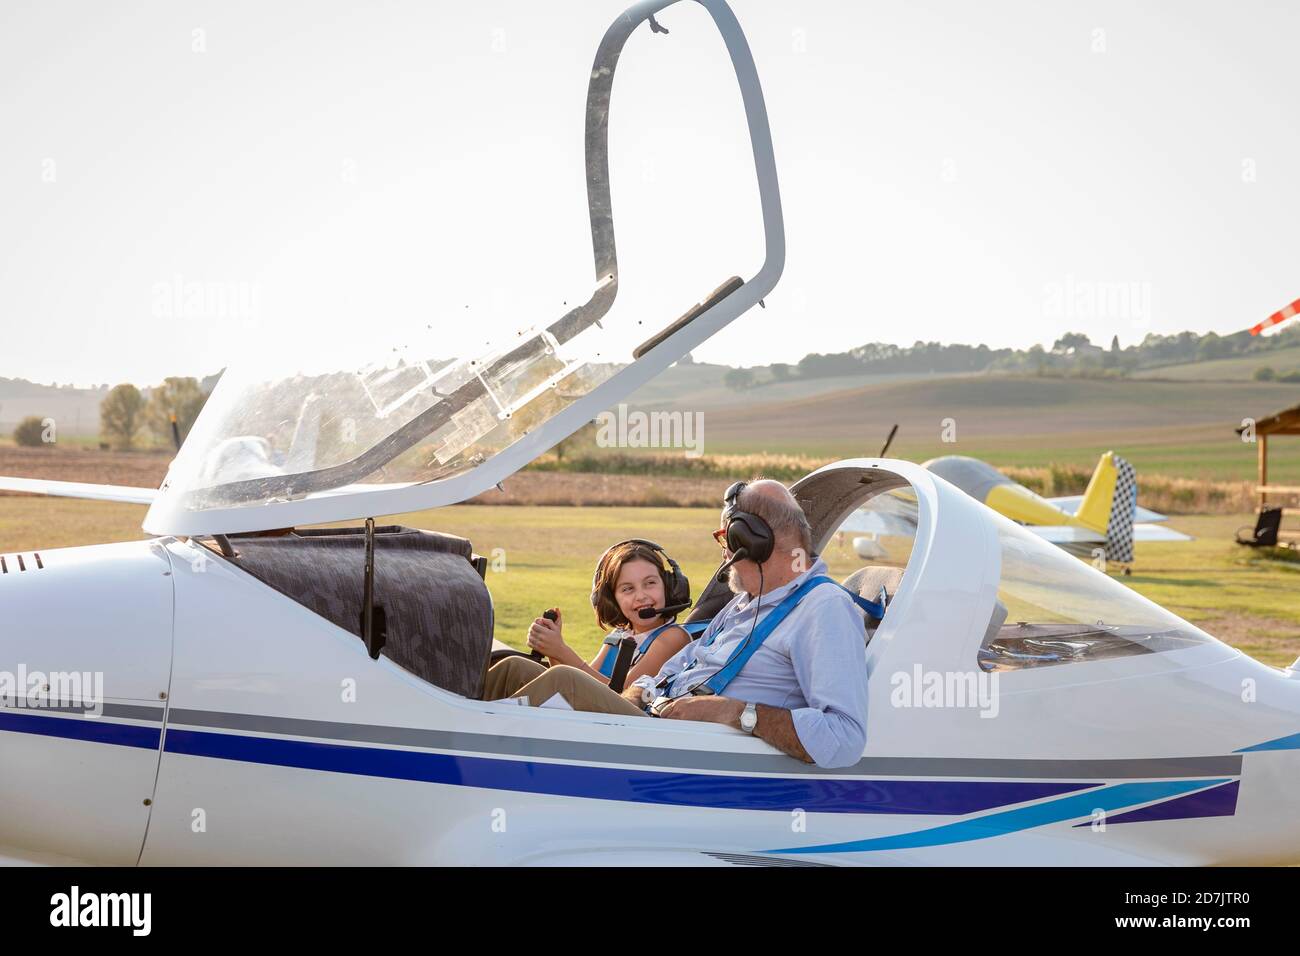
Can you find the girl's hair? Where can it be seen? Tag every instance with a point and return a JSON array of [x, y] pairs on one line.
[[608, 613]]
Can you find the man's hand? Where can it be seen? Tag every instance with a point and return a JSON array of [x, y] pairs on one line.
[[710, 707], [775, 724], [634, 693]]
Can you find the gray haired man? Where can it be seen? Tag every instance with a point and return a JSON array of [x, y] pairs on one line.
[[799, 683]]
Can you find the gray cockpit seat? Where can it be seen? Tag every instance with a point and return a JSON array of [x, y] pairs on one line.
[[870, 580], [437, 610]]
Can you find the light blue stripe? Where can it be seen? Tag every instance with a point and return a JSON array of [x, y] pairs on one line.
[[1281, 743], [1022, 818]]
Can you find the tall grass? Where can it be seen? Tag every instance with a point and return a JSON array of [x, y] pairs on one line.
[[1162, 493], [1157, 492], [781, 467]]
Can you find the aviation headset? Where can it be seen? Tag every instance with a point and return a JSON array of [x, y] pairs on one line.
[[677, 589], [744, 529]]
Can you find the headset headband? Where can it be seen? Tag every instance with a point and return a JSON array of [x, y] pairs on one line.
[[677, 589]]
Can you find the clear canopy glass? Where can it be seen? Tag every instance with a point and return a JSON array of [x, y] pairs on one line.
[[499, 295], [882, 532], [1055, 609]]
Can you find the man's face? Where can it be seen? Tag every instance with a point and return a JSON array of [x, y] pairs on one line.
[[742, 577]]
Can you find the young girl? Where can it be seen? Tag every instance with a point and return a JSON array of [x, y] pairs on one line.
[[630, 577]]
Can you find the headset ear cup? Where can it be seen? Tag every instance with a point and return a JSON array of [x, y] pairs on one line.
[[752, 533], [679, 587]]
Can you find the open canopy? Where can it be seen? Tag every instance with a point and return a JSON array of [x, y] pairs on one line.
[[517, 344]]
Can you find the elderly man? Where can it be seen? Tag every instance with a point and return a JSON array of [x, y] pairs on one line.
[[800, 683]]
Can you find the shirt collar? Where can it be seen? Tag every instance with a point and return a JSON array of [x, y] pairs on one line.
[[743, 602]]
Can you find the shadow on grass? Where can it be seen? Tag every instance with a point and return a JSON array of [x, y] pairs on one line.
[[1170, 582]]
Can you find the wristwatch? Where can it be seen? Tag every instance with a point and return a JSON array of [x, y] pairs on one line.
[[648, 687], [749, 718]]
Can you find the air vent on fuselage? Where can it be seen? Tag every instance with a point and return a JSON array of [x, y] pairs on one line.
[[13, 563]]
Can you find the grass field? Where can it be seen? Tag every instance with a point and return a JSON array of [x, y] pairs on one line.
[[1239, 369], [547, 553]]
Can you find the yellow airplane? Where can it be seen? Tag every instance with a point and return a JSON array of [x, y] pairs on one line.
[[1105, 516]]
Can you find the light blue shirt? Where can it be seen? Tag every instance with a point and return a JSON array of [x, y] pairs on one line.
[[814, 665]]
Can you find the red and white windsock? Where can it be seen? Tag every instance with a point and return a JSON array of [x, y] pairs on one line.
[[1279, 316]]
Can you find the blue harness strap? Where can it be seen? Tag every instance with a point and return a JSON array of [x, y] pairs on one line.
[[650, 639], [611, 656], [614, 639], [718, 682]]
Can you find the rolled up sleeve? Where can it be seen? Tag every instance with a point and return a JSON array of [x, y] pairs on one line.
[[830, 664]]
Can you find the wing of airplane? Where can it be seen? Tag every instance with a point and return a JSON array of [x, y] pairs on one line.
[[78, 489], [1070, 505], [1065, 534], [1155, 532], [1072, 534]]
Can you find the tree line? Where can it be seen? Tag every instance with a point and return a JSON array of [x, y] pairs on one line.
[[1072, 352], [127, 415]]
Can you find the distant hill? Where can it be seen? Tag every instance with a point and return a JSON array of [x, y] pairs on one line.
[[701, 386], [1236, 369], [1173, 427]]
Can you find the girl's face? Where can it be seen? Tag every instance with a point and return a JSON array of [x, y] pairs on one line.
[[639, 585]]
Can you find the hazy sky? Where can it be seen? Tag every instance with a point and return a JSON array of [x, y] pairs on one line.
[[183, 183]]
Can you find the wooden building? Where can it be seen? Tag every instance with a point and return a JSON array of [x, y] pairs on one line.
[[1285, 422]]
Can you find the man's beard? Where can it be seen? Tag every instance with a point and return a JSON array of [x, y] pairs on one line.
[[733, 581]]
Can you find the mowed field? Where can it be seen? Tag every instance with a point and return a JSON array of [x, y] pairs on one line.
[[1179, 428], [1238, 369], [544, 557]]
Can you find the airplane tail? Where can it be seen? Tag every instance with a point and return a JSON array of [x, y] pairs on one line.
[[1109, 505]]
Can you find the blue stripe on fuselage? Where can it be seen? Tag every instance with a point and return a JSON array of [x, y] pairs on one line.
[[1290, 742], [92, 729], [1020, 818], [820, 794]]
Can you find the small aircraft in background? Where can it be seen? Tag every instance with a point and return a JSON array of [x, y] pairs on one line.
[[1103, 521]]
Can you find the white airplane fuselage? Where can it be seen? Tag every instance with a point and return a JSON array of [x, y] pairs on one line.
[[238, 727]]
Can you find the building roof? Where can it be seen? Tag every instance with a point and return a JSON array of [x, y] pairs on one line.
[[1285, 422]]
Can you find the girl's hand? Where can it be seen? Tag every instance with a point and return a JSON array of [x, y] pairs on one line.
[[547, 638]]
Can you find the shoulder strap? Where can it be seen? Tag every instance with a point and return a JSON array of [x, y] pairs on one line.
[[650, 639], [694, 629], [607, 662], [876, 610], [718, 682]]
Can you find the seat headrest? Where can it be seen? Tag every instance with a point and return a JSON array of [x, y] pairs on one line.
[[868, 581]]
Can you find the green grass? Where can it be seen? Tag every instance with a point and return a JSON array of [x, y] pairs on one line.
[[546, 557]]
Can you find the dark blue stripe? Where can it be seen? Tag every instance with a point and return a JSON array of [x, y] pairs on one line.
[[94, 729], [821, 794], [1220, 801]]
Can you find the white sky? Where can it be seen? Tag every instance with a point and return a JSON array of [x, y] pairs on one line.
[[995, 173]]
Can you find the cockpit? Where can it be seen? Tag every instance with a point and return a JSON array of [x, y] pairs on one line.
[[961, 585]]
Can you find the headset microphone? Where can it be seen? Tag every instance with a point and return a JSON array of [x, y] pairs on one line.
[[650, 613], [738, 555]]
